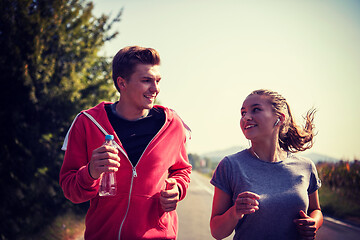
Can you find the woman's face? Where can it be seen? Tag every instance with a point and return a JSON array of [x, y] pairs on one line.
[[257, 118]]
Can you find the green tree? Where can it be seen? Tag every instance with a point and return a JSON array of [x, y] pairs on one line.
[[194, 160], [50, 70]]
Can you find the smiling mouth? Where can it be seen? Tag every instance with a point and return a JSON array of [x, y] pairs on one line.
[[150, 97], [249, 126]]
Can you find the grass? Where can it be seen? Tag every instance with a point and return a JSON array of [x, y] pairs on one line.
[[65, 227], [334, 204]]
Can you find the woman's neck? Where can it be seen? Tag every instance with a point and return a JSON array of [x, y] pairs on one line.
[[268, 151]]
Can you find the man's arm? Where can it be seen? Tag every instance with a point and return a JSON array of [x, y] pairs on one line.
[[181, 171], [75, 180]]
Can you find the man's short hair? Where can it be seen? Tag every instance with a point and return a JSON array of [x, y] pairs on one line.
[[127, 58]]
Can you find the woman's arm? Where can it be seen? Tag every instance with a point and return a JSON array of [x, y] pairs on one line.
[[315, 210], [223, 219], [225, 215], [309, 223]]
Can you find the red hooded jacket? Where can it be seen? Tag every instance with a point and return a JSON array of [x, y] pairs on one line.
[[135, 212]]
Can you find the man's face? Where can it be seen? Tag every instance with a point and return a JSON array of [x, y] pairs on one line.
[[141, 89]]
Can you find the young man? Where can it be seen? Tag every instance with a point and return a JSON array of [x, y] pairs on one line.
[[151, 165]]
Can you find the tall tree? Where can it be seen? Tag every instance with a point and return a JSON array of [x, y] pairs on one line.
[[49, 70]]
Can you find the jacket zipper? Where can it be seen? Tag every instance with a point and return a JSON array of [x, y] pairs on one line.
[[134, 174]]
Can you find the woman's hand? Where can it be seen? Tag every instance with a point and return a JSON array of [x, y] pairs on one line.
[[226, 214], [306, 226], [246, 203]]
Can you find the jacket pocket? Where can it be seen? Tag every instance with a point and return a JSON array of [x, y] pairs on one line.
[[164, 218], [146, 219]]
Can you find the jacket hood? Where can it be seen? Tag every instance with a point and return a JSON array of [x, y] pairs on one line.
[[98, 112]]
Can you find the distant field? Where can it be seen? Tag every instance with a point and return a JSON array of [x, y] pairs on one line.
[[340, 191]]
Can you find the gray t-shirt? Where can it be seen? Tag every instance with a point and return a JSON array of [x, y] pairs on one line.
[[283, 188]]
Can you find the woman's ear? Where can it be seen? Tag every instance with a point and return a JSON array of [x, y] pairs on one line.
[[282, 118], [277, 122]]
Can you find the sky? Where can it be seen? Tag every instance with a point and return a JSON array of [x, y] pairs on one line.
[[215, 52]]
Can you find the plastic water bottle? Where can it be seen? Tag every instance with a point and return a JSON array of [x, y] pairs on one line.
[[108, 180]]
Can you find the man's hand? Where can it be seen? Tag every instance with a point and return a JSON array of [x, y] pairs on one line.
[[306, 226], [170, 196], [104, 159]]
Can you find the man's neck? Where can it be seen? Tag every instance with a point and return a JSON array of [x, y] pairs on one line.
[[129, 113]]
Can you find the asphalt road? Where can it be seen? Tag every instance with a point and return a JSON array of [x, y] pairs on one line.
[[194, 215]]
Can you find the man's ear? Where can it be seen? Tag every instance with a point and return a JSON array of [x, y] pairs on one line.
[[121, 83]]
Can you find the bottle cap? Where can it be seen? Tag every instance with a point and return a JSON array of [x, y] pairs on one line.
[[109, 137]]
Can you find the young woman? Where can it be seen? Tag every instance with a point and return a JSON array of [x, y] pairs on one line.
[[266, 191]]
